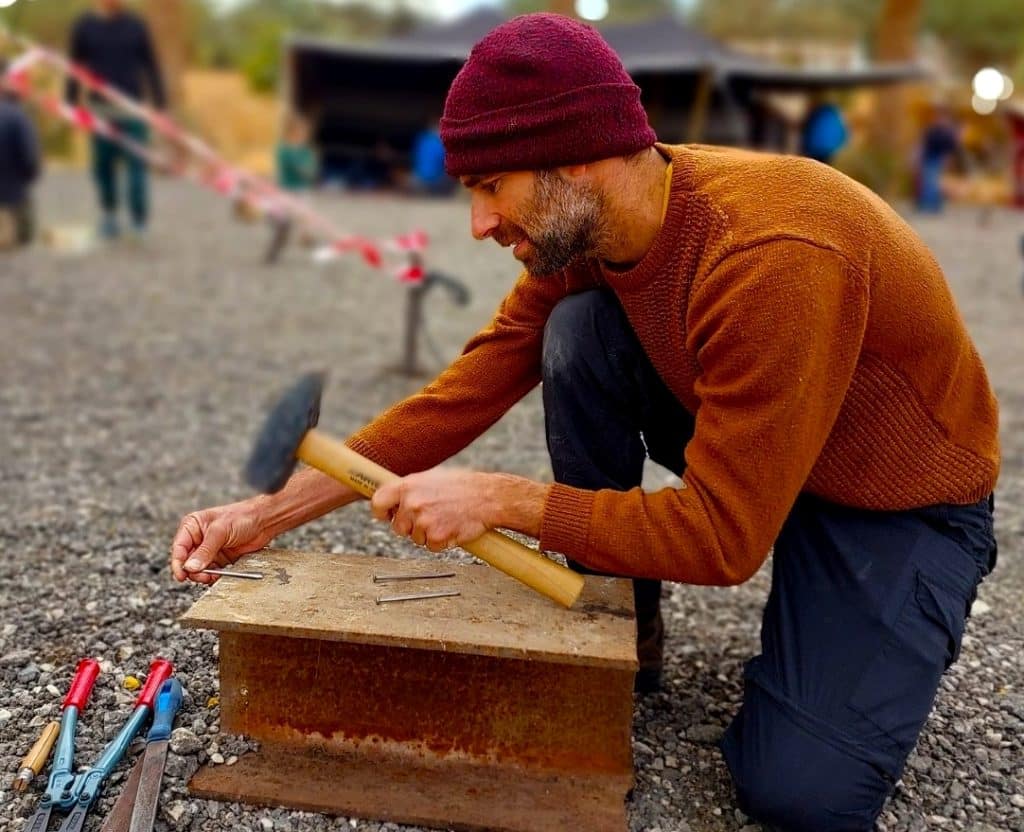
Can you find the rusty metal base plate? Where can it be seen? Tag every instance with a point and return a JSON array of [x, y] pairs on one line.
[[466, 796]]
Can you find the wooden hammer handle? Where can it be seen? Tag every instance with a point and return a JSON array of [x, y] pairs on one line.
[[338, 460]]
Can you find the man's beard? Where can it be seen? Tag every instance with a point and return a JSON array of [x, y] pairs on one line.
[[563, 223]]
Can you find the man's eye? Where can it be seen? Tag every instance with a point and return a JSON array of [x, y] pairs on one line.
[[492, 186]]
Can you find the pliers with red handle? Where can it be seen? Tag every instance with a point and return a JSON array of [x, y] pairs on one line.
[[75, 794], [61, 779]]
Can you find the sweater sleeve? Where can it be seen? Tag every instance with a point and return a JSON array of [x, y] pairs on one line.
[[777, 330], [499, 366]]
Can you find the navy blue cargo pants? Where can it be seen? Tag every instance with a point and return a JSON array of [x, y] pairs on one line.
[[866, 610]]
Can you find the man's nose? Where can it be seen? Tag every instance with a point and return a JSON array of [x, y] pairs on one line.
[[483, 220]]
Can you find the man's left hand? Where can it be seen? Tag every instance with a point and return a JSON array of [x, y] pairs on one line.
[[439, 508]]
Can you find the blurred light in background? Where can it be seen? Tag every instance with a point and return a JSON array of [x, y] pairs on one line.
[[989, 83], [990, 87], [444, 9], [983, 106], [592, 9], [5, 3]]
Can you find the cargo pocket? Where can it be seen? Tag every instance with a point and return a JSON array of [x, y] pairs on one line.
[[898, 687]]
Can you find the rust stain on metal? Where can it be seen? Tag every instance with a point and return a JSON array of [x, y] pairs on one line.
[[534, 713], [488, 711], [451, 796]]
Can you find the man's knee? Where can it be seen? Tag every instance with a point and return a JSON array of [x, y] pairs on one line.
[[817, 793], [570, 333], [584, 332], [796, 796], [787, 776]]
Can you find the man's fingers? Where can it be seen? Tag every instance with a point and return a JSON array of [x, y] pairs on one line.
[[402, 526], [384, 501], [178, 555], [221, 561], [205, 554], [435, 544], [183, 544]]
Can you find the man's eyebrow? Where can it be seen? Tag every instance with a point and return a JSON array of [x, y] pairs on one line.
[[471, 181]]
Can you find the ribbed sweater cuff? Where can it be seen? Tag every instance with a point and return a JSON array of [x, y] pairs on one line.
[[565, 527], [358, 444]]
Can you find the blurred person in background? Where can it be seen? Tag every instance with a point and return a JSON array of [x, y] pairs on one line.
[[823, 133], [428, 173], [763, 326], [296, 160], [114, 44], [939, 143], [1015, 116], [20, 163]]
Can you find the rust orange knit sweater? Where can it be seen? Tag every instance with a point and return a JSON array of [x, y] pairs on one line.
[[803, 322]]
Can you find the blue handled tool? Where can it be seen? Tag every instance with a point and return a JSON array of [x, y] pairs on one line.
[[142, 790], [61, 782], [167, 703], [87, 785]]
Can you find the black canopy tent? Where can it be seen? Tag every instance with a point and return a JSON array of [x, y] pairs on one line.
[[369, 101]]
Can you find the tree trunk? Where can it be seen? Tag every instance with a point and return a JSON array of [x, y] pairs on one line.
[[566, 7], [896, 40], [168, 24]]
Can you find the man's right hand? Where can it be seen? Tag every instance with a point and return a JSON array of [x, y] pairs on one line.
[[216, 537]]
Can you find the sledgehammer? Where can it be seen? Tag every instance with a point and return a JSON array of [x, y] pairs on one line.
[[289, 434]]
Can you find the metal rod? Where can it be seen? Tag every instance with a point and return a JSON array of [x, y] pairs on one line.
[[442, 593], [252, 576], [383, 579]]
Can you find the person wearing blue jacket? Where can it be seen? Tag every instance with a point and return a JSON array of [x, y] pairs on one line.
[[428, 173], [824, 132], [19, 167]]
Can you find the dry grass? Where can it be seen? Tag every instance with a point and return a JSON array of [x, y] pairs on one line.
[[220, 108], [240, 124]]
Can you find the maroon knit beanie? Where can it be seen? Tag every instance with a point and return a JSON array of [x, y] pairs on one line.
[[540, 91]]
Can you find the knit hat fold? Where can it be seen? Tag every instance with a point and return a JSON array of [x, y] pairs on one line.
[[540, 91]]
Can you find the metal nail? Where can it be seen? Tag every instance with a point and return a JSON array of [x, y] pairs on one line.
[[224, 573], [383, 579], [442, 593]]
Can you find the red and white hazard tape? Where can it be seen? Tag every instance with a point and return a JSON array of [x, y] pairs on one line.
[[215, 172]]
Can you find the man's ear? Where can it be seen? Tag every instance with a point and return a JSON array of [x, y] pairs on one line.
[[574, 171]]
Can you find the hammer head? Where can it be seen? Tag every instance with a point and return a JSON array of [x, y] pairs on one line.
[[273, 456]]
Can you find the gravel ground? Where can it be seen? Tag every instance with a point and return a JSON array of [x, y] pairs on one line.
[[134, 378]]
